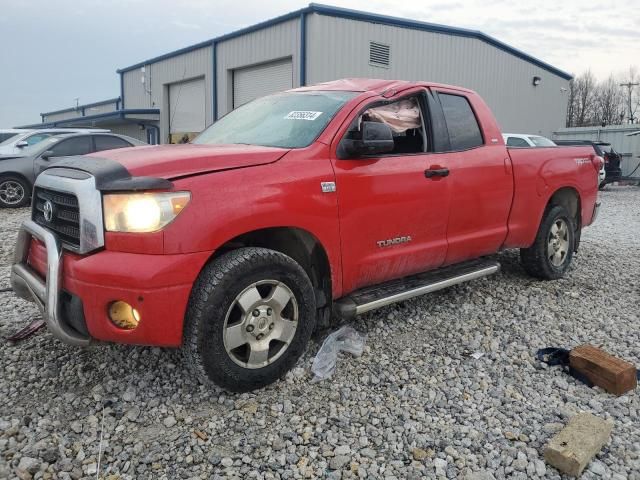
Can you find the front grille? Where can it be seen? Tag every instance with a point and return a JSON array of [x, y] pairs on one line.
[[65, 215]]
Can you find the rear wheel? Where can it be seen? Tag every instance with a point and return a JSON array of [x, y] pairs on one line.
[[14, 192], [250, 316], [550, 255]]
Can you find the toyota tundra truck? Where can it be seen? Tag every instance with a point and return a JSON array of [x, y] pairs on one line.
[[293, 210]]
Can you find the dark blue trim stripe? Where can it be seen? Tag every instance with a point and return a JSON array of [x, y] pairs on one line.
[[222, 38], [121, 92], [116, 114], [86, 105], [303, 49], [214, 83], [365, 17]]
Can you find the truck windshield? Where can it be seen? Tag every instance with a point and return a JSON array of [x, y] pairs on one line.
[[287, 120]]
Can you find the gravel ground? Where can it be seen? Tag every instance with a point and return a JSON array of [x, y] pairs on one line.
[[416, 404]]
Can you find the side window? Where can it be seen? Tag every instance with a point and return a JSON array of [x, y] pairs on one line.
[[107, 142], [464, 131], [72, 146], [516, 142], [404, 118]]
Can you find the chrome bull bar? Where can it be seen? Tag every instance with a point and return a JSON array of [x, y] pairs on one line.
[[46, 294]]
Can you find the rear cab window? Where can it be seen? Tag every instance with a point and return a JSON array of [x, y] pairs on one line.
[[462, 124]]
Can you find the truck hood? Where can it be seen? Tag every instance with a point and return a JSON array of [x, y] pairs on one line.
[[174, 161]]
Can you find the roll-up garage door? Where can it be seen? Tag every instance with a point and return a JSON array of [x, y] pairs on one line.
[[259, 80], [186, 109]]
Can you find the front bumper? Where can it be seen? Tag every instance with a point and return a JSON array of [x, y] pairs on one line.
[[45, 293], [67, 286]]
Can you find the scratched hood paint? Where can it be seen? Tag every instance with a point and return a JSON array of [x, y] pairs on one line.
[[171, 161]]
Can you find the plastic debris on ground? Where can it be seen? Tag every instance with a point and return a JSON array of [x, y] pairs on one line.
[[27, 331], [345, 339]]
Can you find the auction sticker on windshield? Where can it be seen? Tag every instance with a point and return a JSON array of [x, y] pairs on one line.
[[302, 115]]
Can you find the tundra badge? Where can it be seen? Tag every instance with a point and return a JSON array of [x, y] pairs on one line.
[[393, 241]]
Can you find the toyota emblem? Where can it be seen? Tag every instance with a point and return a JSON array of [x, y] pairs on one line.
[[47, 210]]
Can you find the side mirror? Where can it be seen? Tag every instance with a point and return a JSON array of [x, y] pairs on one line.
[[373, 138], [22, 144], [46, 155]]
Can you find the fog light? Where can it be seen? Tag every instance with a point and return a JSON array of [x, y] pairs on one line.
[[124, 315]]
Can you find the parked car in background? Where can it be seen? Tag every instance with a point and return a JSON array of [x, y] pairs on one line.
[[15, 144], [525, 140], [337, 199], [7, 133], [18, 173], [612, 159]]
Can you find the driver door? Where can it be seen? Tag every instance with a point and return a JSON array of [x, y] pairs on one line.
[[393, 219]]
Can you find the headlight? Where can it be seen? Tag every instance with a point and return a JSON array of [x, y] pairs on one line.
[[142, 212]]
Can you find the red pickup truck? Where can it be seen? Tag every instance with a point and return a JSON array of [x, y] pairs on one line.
[[322, 201]]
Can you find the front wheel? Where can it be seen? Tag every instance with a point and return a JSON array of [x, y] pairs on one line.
[[250, 316], [550, 255], [14, 192]]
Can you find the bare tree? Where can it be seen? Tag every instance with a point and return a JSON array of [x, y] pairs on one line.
[[608, 102], [581, 105], [585, 98]]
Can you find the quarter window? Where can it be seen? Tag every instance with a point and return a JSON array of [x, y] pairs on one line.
[[464, 131], [107, 142]]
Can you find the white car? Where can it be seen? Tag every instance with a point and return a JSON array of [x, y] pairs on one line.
[[526, 140], [7, 133], [25, 138]]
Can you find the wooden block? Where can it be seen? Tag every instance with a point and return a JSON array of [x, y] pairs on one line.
[[613, 374], [574, 446]]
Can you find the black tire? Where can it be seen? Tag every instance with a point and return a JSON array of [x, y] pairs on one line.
[[15, 192], [536, 259], [214, 298], [602, 185]]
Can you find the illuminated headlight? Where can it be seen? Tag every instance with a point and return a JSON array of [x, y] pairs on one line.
[[142, 212]]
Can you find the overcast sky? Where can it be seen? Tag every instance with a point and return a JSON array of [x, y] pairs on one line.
[[53, 51]]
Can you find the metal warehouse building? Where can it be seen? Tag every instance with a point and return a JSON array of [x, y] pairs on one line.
[[184, 91]]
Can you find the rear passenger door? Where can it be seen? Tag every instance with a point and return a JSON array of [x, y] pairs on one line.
[[481, 178]]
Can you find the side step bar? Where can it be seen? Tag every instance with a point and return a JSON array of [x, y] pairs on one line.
[[370, 298]]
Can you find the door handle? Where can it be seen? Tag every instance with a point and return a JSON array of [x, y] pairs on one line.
[[436, 172]]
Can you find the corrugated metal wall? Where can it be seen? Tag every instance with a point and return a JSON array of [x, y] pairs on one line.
[[616, 135], [92, 110], [272, 43], [339, 48], [158, 76], [52, 117], [98, 109]]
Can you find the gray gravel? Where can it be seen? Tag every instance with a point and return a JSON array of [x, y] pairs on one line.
[[416, 404]]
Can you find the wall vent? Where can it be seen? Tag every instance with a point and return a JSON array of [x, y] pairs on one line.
[[379, 54]]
